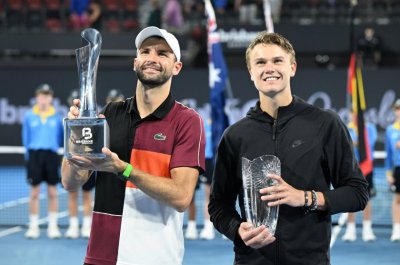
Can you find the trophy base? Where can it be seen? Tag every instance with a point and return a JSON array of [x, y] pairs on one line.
[[85, 137]]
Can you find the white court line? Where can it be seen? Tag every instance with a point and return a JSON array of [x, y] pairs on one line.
[[19, 201], [336, 229], [25, 200], [10, 231], [44, 220], [5, 149]]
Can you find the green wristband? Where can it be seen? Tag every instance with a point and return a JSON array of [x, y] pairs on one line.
[[127, 171]]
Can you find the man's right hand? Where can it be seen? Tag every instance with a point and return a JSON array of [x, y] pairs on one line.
[[74, 109], [255, 237]]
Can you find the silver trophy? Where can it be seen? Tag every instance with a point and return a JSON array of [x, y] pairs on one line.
[[254, 175], [88, 134]]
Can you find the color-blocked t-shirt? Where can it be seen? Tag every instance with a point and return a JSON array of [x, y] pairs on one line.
[[130, 227]]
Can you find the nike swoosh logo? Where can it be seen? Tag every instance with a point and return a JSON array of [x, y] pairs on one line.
[[297, 143]]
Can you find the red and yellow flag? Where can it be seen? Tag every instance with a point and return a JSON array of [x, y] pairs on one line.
[[355, 88]]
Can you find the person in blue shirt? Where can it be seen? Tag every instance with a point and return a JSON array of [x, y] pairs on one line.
[[208, 233], [87, 201], [42, 136], [367, 232], [114, 95], [392, 165]]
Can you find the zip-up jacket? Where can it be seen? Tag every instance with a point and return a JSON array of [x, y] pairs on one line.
[[316, 153]]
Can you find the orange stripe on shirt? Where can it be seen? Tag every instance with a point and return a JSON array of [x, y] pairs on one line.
[[153, 163]]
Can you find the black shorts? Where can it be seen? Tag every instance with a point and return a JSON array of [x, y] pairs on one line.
[[89, 185], [207, 176], [396, 176], [43, 165], [371, 187]]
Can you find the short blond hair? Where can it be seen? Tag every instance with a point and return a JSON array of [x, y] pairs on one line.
[[265, 37]]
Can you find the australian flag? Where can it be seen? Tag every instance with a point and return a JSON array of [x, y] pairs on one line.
[[218, 78]]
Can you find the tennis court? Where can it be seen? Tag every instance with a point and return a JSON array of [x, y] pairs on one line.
[[15, 249]]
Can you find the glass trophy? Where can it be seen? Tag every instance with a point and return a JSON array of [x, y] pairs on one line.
[[87, 134], [254, 174]]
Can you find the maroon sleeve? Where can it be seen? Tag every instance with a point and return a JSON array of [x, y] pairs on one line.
[[189, 148]]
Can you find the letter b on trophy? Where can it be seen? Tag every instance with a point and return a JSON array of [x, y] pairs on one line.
[[87, 134]]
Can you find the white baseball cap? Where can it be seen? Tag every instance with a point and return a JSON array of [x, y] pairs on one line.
[[168, 37]]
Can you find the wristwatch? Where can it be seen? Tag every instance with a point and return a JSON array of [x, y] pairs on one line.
[[124, 175]]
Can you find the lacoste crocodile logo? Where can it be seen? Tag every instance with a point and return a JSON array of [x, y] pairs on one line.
[[160, 137], [297, 143]]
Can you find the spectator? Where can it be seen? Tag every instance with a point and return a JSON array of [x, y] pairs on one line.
[[193, 12], [220, 6], [248, 11], [95, 14], [392, 164], [367, 233], [276, 7], [197, 47], [369, 48], [42, 136], [79, 17], [155, 14], [73, 228], [172, 16], [208, 233]]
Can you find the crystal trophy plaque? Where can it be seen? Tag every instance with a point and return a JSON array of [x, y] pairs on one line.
[[87, 134], [254, 175]]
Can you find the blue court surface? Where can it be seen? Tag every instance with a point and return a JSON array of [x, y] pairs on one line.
[[16, 250]]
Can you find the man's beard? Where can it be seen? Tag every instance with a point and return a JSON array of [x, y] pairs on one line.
[[152, 81]]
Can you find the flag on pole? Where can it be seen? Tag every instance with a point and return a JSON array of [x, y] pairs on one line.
[[218, 77], [355, 88], [269, 24]]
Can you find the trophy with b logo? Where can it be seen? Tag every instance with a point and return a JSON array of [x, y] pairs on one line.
[[87, 134], [255, 177]]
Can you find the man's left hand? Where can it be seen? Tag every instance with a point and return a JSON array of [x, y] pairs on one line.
[[111, 163], [282, 193]]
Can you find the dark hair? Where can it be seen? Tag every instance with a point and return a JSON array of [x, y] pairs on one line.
[[44, 89]]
